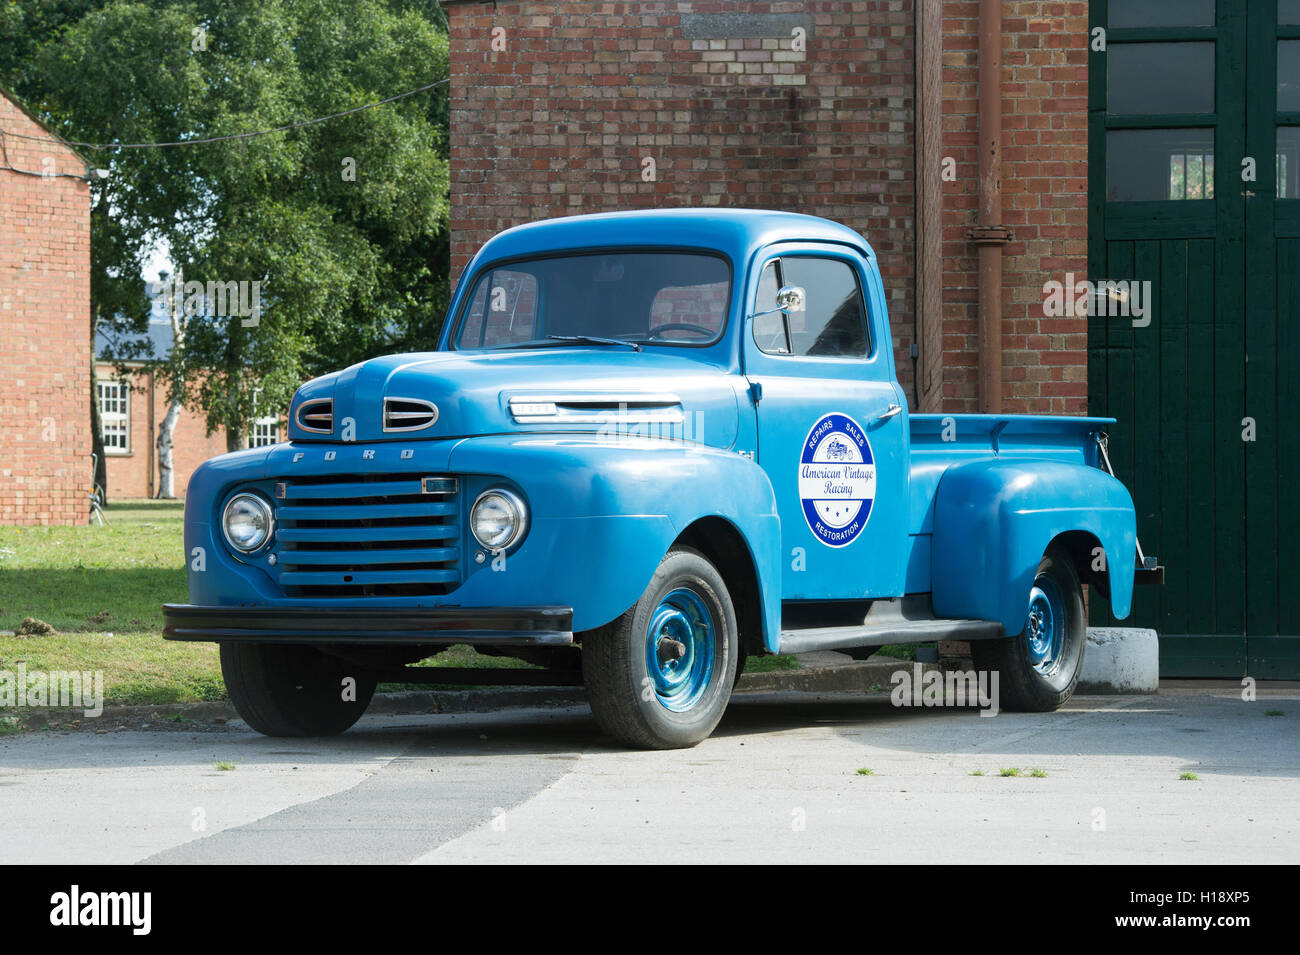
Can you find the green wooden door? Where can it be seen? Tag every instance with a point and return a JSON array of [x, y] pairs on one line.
[[1191, 144]]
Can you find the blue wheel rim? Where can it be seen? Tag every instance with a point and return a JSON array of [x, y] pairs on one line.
[[680, 649], [1045, 625]]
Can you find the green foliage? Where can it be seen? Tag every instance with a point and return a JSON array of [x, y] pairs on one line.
[[344, 223]]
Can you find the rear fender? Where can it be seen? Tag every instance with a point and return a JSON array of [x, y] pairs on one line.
[[994, 520]]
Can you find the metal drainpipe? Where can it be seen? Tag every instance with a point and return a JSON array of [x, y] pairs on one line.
[[929, 204], [989, 235]]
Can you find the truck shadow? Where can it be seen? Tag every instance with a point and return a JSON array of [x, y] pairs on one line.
[[1204, 733], [1207, 733]]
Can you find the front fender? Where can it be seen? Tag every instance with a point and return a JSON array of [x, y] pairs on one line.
[[604, 512], [995, 519]]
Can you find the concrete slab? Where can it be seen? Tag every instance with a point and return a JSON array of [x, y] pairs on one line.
[[1120, 660]]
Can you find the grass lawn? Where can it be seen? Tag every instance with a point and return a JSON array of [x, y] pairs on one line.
[[107, 579], [102, 589]]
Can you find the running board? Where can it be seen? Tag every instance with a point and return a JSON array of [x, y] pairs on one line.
[[906, 620]]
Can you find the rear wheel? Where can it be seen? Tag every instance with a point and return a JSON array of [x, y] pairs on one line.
[[289, 690], [661, 674], [1039, 668]]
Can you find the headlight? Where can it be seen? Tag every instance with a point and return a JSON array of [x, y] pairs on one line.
[[498, 519], [247, 522]]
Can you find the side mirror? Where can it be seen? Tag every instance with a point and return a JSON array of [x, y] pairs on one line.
[[789, 299]]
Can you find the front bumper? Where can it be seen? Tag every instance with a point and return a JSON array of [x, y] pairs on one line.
[[481, 626]]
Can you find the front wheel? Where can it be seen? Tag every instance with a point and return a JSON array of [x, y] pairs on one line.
[[1040, 667], [659, 676], [291, 690]]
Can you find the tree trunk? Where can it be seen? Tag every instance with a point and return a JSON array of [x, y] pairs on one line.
[[100, 478], [167, 427], [236, 440], [166, 470]]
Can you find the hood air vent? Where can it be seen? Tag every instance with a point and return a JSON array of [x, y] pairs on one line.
[[317, 416], [597, 409], [409, 414]]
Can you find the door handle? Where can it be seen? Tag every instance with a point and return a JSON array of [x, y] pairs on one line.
[[888, 413]]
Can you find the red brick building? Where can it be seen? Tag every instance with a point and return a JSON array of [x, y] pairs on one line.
[[568, 108], [45, 437], [131, 407], [132, 399]]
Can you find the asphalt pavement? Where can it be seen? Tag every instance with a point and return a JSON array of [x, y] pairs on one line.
[[778, 782]]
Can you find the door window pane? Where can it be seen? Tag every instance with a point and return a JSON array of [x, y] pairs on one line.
[[1288, 76], [1159, 164], [1163, 13], [1288, 11], [1288, 162], [1160, 78], [833, 323]]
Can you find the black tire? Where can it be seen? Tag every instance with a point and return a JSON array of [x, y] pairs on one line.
[[283, 690], [623, 694], [1023, 685]]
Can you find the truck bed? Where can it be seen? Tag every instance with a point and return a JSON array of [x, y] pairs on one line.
[[940, 441]]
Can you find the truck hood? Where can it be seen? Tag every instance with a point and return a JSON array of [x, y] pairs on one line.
[[655, 392]]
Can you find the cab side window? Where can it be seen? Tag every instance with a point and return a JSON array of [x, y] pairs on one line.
[[833, 323]]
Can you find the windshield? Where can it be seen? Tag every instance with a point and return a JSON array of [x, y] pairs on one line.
[[652, 298]]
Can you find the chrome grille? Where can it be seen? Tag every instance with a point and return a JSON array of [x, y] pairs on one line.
[[377, 535]]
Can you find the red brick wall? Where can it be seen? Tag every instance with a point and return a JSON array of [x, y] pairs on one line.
[[129, 475], [560, 120], [45, 439], [1044, 202]]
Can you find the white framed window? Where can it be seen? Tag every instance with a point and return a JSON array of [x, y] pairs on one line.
[[265, 431], [114, 415]]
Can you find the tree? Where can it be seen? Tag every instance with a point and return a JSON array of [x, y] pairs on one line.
[[341, 226]]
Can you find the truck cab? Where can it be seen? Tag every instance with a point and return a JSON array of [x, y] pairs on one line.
[[649, 445]]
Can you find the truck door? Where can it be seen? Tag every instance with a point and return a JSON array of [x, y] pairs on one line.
[[832, 424]]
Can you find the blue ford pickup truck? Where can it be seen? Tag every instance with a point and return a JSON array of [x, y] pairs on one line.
[[649, 445]]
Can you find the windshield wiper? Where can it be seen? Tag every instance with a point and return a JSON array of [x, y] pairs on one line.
[[594, 340]]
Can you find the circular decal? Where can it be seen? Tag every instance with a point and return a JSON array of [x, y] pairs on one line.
[[837, 479]]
